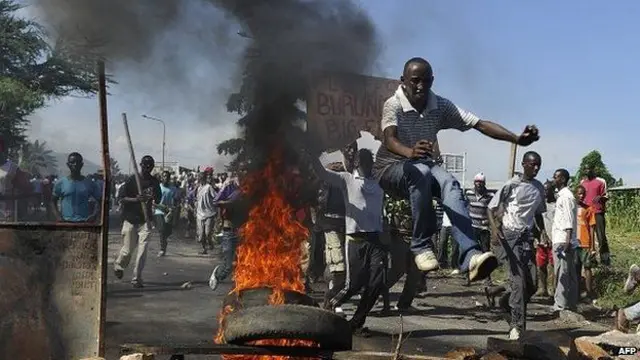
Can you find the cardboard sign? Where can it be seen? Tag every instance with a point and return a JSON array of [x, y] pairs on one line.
[[340, 106]]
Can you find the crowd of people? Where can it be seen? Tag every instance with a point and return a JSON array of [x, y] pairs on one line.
[[547, 236]]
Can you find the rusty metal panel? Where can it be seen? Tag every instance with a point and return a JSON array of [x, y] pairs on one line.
[[50, 292]]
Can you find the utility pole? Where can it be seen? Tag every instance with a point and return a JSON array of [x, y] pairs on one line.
[[164, 134]]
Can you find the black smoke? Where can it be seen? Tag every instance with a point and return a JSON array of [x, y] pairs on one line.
[[288, 42]]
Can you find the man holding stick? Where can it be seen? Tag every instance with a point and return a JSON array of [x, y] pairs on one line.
[[135, 226]]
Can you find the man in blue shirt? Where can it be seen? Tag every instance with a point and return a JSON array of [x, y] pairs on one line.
[[165, 210], [74, 192]]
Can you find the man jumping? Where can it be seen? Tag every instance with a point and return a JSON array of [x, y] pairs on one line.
[[405, 164]]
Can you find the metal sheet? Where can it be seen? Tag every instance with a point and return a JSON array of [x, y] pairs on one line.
[[50, 292]]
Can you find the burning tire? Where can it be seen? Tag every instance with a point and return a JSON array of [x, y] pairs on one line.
[[300, 322], [260, 297]]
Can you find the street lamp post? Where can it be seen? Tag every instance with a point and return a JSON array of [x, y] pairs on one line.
[[164, 134]]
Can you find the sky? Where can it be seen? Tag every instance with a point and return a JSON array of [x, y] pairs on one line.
[[569, 67]]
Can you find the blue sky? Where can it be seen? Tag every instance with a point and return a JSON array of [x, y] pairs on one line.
[[567, 66]]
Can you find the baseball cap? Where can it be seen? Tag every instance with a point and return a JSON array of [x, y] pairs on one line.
[[479, 177]]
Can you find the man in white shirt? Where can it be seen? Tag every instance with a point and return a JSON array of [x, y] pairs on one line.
[[205, 212], [522, 201], [564, 242], [366, 256]]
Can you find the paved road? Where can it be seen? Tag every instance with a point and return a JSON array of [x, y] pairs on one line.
[[450, 314]]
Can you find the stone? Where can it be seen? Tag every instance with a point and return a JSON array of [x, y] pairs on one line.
[[535, 345], [590, 350], [463, 353], [493, 356], [614, 339]]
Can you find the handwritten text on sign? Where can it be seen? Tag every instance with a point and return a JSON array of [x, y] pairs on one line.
[[340, 106]]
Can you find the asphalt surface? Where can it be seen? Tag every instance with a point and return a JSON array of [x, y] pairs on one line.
[[451, 315]]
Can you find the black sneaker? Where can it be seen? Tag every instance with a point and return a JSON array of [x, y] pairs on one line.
[[118, 273], [137, 284]]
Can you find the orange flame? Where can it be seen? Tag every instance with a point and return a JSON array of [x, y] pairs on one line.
[[270, 248]]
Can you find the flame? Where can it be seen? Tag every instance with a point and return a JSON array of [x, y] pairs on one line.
[[270, 248]]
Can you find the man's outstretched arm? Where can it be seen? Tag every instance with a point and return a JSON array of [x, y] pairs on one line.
[[498, 132]]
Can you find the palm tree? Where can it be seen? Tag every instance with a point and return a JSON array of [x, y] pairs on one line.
[[37, 159]]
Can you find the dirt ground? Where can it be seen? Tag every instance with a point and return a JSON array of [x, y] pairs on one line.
[[450, 314]]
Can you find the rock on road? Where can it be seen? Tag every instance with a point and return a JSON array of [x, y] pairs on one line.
[[450, 315]]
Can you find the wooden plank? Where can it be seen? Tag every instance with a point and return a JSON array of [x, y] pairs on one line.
[[217, 349]]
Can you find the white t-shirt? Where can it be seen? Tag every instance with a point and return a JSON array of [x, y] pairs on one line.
[[205, 207], [523, 201], [564, 217], [363, 200]]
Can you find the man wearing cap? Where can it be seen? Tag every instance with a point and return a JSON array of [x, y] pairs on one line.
[[478, 199], [14, 185], [136, 221]]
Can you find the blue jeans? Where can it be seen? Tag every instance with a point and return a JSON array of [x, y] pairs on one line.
[[229, 243], [414, 179]]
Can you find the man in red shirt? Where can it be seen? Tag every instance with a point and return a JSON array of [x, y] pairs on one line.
[[596, 198]]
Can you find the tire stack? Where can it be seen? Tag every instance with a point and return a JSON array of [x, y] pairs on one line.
[[299, 318]]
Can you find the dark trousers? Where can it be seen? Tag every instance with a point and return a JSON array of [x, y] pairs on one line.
[[518, 250], [484, 239], [412, 283], [601, 233], [165, 229], [316, 255], [443, 249], [366, 265]]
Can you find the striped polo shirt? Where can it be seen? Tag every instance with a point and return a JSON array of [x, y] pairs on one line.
[[478, 209], [439, 114]]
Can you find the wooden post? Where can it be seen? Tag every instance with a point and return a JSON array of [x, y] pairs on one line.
[[512, 160], [106, 192]]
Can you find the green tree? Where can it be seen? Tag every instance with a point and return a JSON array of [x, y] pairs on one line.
[[37, 159], [594, 160], [33, 72]]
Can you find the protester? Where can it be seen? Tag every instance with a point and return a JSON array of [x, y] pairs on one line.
[[564, 243], [521, 200], [136, 225], [544, 249], [14, 185], [596, 196], [405, 164], [631, 313], [586, 252], [205, 212], [165, 210], [366, 257], [234, 209], [74, 192], [478, 199]]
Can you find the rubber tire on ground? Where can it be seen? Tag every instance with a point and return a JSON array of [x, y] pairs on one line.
[[329, 330], [260, 297]]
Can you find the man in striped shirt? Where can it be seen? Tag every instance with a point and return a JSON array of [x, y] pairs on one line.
[[405, 164], [478, 199]]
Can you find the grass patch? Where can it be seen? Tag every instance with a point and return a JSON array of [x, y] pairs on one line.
[[625, 250]]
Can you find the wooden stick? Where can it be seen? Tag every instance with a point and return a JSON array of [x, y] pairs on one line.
[[106, 191], [136, 173]]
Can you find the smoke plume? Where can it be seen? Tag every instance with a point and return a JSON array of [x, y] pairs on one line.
[[289, 41]]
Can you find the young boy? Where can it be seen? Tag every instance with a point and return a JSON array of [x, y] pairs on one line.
[[586, 218]]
